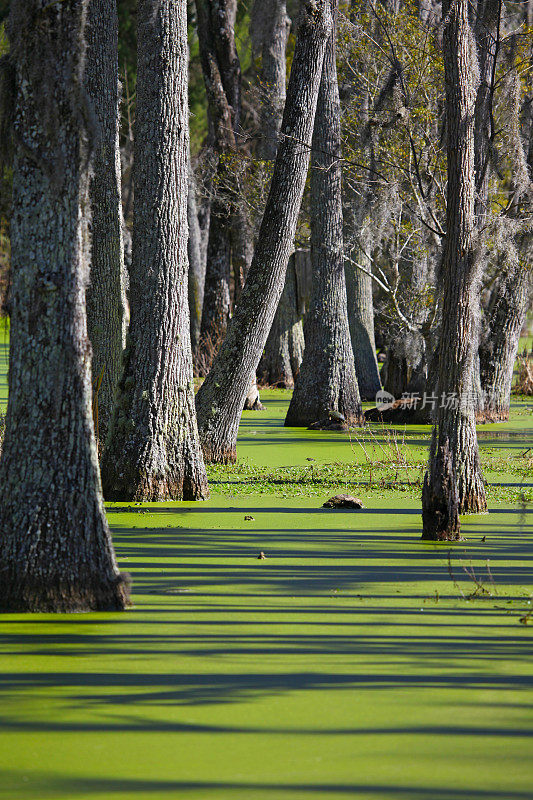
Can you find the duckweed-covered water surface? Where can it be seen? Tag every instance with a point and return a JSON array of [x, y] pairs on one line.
[[353, 661]]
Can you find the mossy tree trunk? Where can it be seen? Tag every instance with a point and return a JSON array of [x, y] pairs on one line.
[[56, 552], [220, 399], [153, 451], [454, 482], [326, 381], [106, 290]]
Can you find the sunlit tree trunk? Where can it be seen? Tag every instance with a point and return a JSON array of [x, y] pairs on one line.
[[361, 321], [326, 381], [55, 547], [196, 263], [221, 397], [153, 451], [499, 347], [454, 482], [269, 29]]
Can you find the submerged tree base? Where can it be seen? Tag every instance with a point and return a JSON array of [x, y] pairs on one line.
[[440, 498], [147, 487], [443, 499], [219, 455], [488, 415], [80, 594]]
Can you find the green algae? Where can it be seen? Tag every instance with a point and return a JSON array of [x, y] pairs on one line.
[[353, 661]]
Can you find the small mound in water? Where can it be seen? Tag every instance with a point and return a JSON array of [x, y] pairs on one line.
[[331, 421], [343, 501]]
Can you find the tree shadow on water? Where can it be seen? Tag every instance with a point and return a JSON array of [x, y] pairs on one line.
[[51, 786]]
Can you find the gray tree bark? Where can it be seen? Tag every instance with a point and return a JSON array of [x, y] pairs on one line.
[[106, 291], [153, 452], [282, 357], [361, 321], [196, 263], [499, 347], [220, 399], [56, 552], [326, 381], [222, 77], [454, 483], [270, 28]]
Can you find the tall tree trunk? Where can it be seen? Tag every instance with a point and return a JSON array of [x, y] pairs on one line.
[[153, 452], [498, 349], [196, 263], [357, 226], [270, 27], [361, 321], [106, 292], [486, 30], [216, 307], [220, 398], [282, 357], [326, 381], [511, 295], [222, 77], [56, 552], [453, 482]]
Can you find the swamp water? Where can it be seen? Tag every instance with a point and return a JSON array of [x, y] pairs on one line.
[[354, 661]]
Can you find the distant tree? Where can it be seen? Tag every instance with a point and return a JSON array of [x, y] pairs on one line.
[[55, 547], [357, 227], [510, 301], [285, 345], [220, 398], [510, 276], [106, 317], [326, 381], [454, 483], [196, 262], [153, 451], [269, 30], [228, 226]]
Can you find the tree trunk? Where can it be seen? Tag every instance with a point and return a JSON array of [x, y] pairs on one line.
[[282, 357], [361, 321], [326, 382], [486, 30], [453, 482], [56, 552], [222, 77], [216, 307], [498, 350], [270, 27], [153, 452], [196, 263], [220, 399], [106, 291]]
